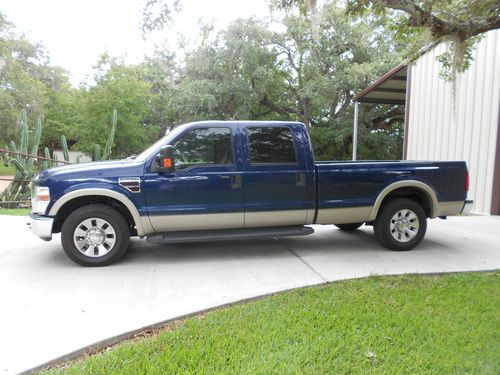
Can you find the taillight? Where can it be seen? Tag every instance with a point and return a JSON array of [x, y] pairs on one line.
[[467, 182]]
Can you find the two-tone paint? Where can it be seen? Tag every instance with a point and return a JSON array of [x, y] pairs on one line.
[[246, 195]]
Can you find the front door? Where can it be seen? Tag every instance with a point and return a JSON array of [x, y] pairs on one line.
[[205, 191]]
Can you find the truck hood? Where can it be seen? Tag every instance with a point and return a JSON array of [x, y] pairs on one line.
[[99, 169]]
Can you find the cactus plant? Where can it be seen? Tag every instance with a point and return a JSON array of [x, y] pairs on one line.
[[97, 153], [24, 133], [111, 138], [47, 163], [18, 190], [64, 146], [12, 146]]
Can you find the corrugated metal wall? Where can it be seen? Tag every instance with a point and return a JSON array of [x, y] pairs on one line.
[[464, 129]]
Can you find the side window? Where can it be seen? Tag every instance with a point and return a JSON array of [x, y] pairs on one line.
[[271, 145], [207, 146]]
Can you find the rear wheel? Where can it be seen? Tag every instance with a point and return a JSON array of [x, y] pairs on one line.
[[348, 227], [401, 224], [95, 235]]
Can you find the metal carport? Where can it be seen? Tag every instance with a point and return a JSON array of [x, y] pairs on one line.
[[391, 88]]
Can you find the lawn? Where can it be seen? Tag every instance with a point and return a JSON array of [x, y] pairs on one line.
[[409, 324], [15, 211], [7, 171]]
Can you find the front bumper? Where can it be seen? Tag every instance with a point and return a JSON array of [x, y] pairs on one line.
[[467, 207], [41, 226]]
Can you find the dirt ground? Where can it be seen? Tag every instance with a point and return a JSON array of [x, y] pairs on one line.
[[4, 184]]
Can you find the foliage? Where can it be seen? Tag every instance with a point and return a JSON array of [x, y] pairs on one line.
[[62, 115], [424, 22], [162, 73], [411, 324], [65, 150], [18, 190], [460, 22], [109, 142], [252, 70], [97, 152], [27, 80], [158, 13], [249, 72], [48, 163], [121, 88]]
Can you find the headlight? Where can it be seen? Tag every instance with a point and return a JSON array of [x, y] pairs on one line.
[[40, 199]]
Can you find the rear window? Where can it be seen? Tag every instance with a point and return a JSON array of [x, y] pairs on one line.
[[271, 145]]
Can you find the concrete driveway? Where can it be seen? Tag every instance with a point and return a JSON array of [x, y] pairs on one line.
[[51, 307]]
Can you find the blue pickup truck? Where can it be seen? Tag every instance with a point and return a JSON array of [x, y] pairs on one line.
[[237, 179]]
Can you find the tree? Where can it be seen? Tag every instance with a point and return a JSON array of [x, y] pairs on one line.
[[249, 72], [234, 77], [162, 73], [20, 87], [423, 22], [456, 19], [28, 82], [459, 22], [63, 116], [157, 13], [117, 87]]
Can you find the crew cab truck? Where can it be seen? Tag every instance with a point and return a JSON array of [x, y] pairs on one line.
[[237, 179]]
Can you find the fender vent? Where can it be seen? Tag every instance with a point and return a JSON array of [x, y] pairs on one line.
[[132, 184]]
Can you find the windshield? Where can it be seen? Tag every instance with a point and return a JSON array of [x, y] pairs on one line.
[[156, 146]]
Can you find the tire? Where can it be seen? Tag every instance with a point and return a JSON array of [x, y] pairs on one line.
[[348, 227], [95, 235], [401, 224]]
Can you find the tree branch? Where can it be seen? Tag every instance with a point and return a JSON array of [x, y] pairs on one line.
[[440, 27]]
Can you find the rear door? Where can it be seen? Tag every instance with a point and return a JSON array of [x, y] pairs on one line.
[[279, 187]]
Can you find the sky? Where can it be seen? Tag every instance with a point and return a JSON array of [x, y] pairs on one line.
[[76, 32]]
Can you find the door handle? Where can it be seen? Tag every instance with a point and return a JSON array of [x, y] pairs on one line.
[[300, 179], [236, 181]]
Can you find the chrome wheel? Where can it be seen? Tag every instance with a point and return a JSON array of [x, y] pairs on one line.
[[404, 225], [94, 237]]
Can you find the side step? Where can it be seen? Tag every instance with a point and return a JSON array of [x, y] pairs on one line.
[[228, 234]]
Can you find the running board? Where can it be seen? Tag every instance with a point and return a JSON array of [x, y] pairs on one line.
[[228, 234]]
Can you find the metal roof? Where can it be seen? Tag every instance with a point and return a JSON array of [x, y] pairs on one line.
[[390, 88]]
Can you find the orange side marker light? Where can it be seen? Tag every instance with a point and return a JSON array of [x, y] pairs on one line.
[[167, 163]]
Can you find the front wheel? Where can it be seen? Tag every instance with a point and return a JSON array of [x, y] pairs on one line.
[[401, 224], [95, 235]]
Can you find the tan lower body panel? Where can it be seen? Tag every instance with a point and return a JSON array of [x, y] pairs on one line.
[[171, 223], [343, 215], [449, 208], [275, 218]]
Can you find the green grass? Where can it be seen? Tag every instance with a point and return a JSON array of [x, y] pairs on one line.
[[384, 325], [7, 171], [15, 211]]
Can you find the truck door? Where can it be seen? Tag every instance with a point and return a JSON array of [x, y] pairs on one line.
[[205, 191], [279, 188]]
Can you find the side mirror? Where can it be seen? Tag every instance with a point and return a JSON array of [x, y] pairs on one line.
[[164, 162]]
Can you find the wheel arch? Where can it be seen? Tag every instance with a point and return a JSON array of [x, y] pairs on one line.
[[408, 188], [77, 198]]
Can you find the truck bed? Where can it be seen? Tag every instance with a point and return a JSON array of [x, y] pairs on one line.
[[355, 186]]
